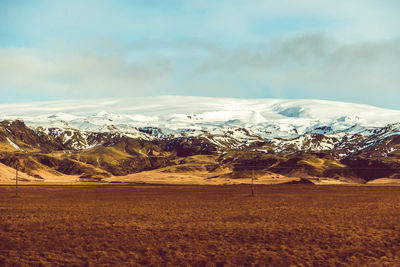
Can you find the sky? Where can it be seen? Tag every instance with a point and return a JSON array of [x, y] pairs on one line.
[[342, 50]]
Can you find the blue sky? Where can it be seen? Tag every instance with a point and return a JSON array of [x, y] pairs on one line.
[[335, 50]]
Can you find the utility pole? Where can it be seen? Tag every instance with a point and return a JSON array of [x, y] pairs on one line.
[[252, 183]]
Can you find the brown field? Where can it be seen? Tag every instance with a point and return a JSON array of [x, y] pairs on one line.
[[200, 225]]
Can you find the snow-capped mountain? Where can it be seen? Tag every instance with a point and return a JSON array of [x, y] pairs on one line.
[[119, 136], [166, 115]]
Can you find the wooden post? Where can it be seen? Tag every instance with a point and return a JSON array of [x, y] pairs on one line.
[[252, 183], [16, 179]]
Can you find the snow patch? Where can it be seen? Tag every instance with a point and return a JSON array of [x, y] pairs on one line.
[[13, 144]]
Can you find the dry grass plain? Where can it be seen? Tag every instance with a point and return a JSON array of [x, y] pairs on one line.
[[200, 225]]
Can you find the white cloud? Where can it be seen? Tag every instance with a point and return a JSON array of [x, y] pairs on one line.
[[306, 66], [80, 74]]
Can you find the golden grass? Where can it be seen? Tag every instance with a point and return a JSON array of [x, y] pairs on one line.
[[322, 163], [200, 225]]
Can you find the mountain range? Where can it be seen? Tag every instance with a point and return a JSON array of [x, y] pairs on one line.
[[219, 139]]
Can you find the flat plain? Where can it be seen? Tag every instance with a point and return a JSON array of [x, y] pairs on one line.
[[130, 225]]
